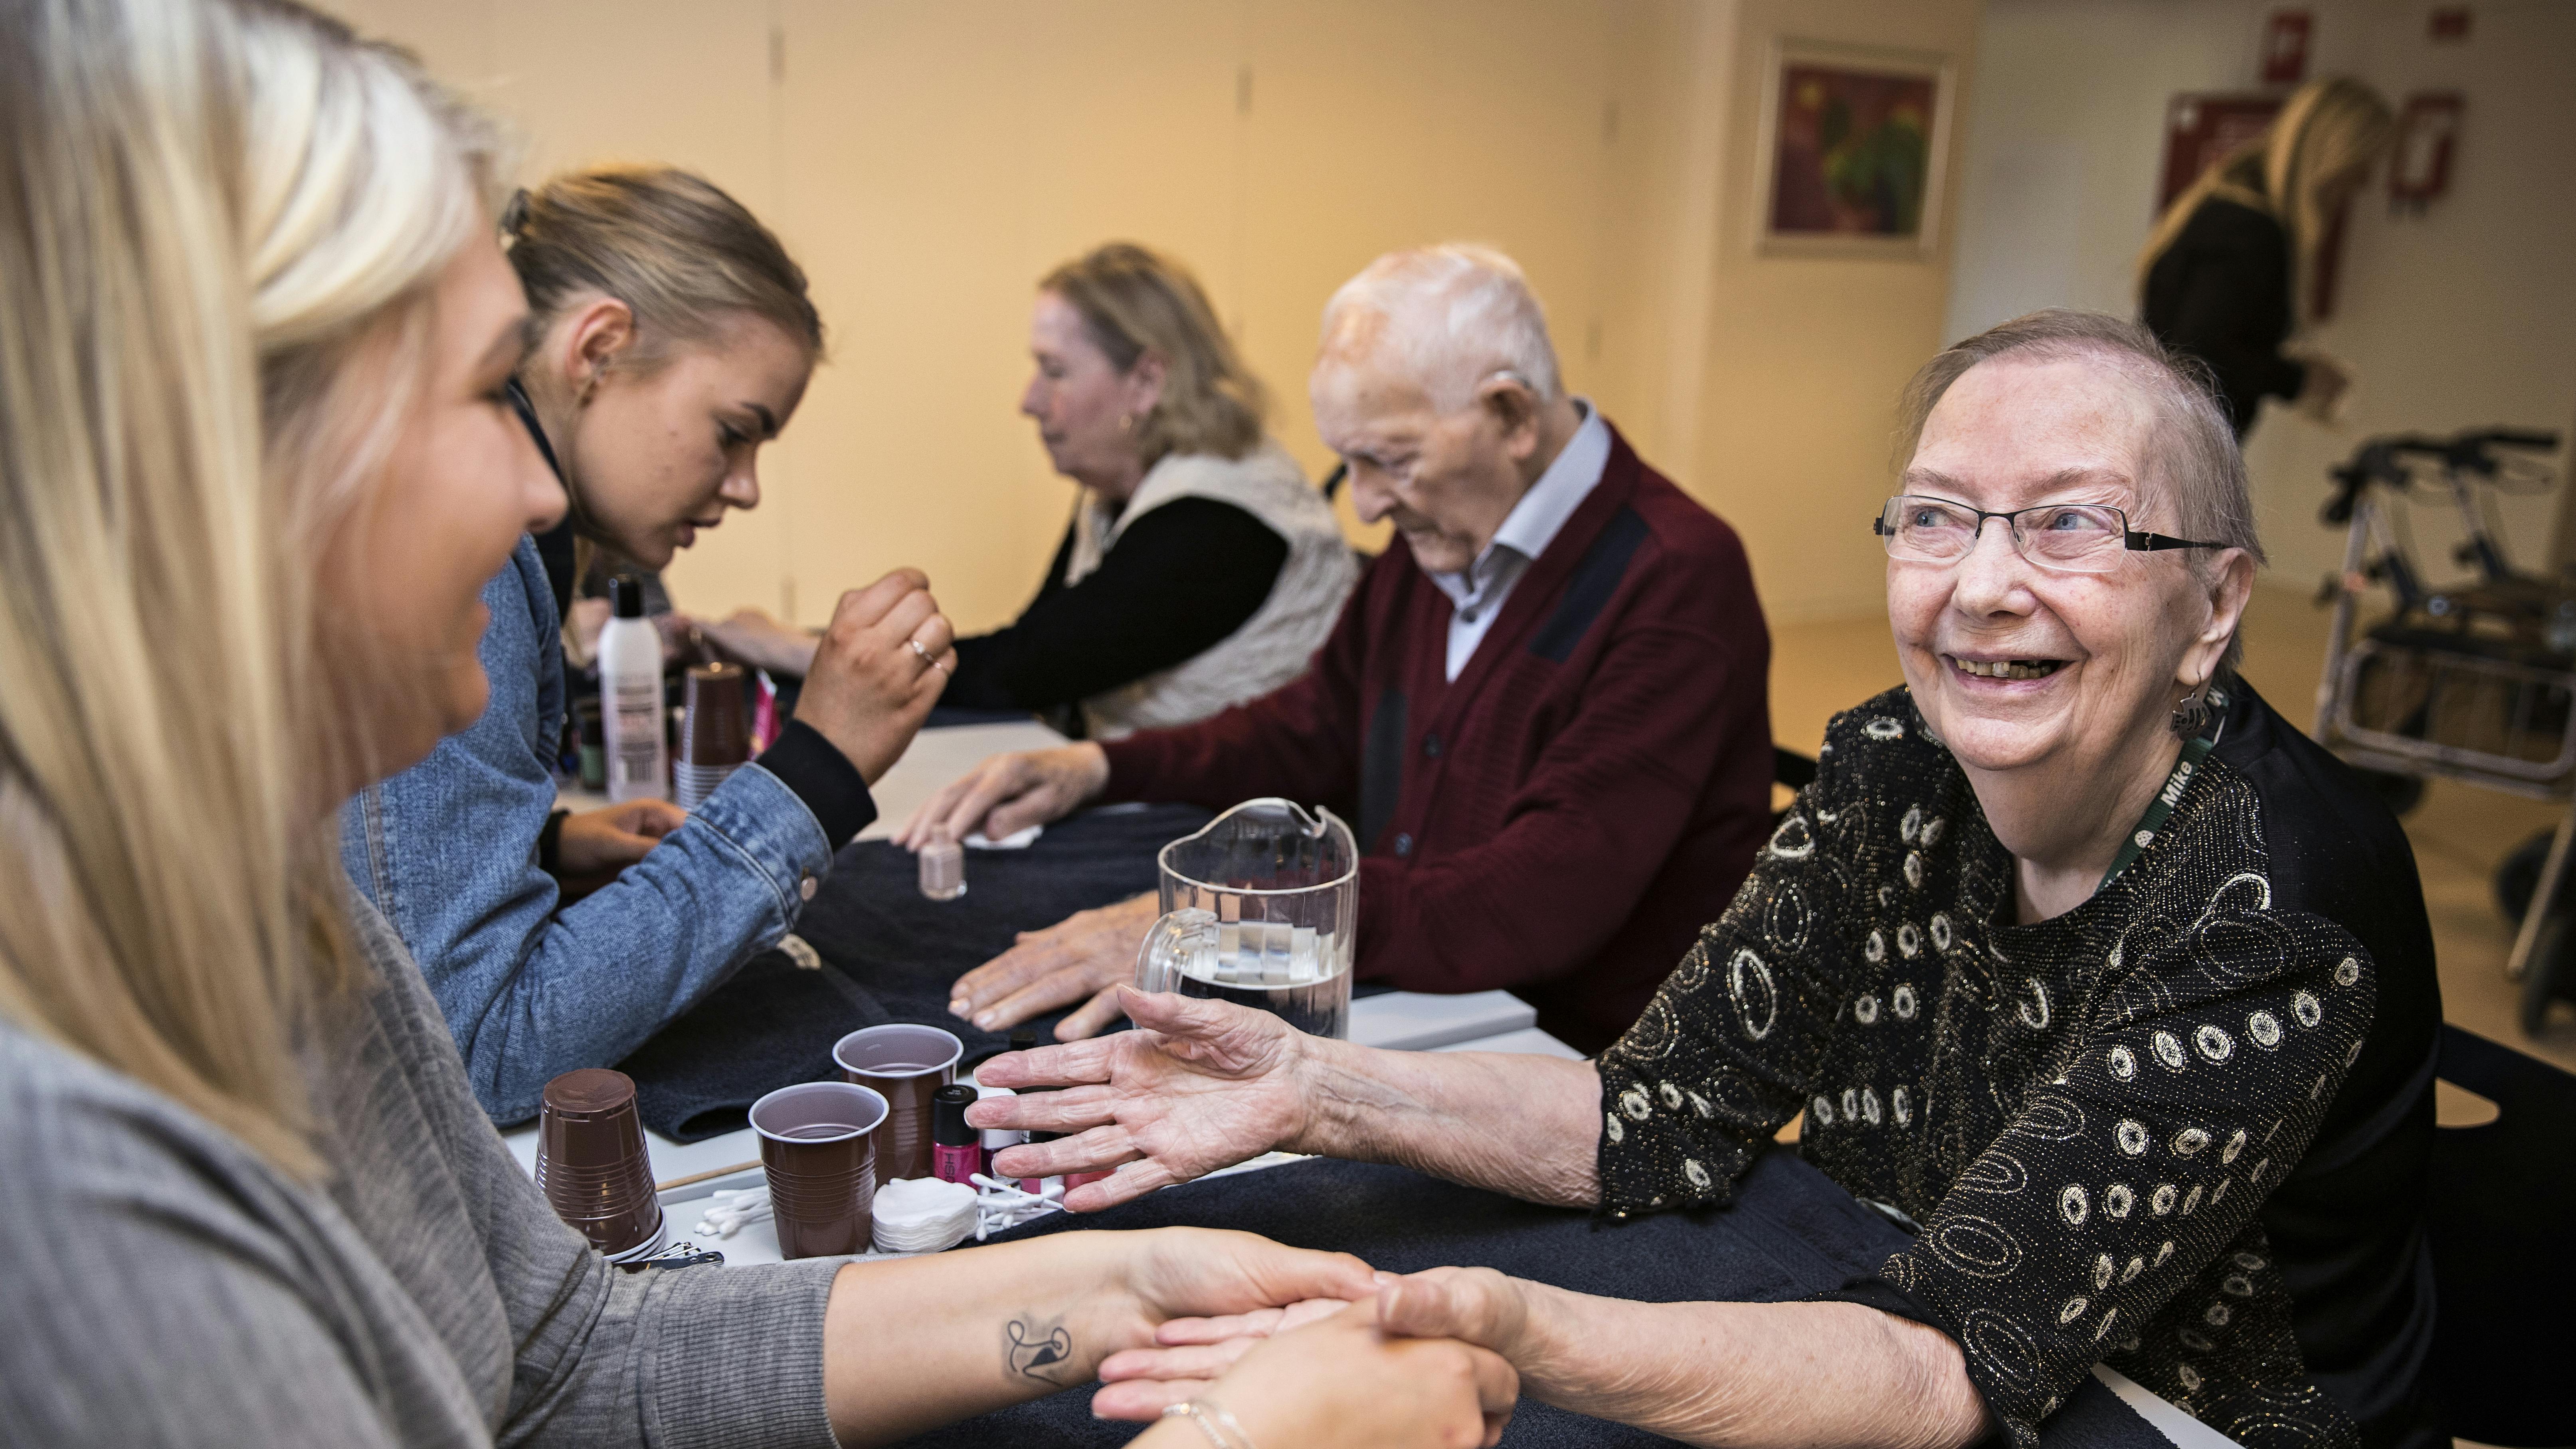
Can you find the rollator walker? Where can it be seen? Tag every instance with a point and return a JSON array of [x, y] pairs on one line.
[[2473, 682]]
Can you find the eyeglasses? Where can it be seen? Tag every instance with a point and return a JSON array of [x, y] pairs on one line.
[[2074, 538]]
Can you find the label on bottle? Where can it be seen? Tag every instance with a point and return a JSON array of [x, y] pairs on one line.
[[635, 737], [958, 1163]]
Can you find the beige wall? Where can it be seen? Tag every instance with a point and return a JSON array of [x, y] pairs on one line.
[[927, 163], [1804, 357], [2457, 318]]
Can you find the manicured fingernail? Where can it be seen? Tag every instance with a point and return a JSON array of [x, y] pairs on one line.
[[988, 1020], [960, 1007]]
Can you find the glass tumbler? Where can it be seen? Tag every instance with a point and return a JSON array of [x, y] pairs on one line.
[[1260, 908]]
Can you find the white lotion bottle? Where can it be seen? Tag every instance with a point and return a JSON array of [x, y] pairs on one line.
[[630, 691]]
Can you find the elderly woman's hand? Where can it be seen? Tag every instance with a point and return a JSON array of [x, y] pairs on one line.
[[1343, 1381], [755, 637], [1197, 1086], [1474, 1305]]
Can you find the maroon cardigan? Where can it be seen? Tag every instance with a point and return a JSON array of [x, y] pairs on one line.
[[1562, 820]]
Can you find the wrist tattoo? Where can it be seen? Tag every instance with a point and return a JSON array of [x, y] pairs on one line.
[[1038, 1350]]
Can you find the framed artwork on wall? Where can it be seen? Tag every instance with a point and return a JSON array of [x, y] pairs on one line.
[[1852, 151]]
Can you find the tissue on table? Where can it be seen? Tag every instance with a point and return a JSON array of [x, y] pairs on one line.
[[923, 1215], [1019, 839]]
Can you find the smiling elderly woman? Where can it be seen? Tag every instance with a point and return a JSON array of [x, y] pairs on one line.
[[2077, 957]]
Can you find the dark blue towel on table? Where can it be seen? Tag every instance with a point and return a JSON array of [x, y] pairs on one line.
[[1791, 1233], [889, 954]]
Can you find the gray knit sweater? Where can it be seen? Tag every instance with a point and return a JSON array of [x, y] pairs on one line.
[[164, 1285]]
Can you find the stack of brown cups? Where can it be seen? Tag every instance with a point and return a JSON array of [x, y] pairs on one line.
[[907, 1064], [817, 1144], [715, 732], [592, 1166]]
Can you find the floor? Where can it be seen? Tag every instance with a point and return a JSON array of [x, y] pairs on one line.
[[2459, 832]]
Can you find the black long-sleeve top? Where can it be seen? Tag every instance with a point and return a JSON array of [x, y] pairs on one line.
[[2221, 292], [2183, 1129], [1178, 581]]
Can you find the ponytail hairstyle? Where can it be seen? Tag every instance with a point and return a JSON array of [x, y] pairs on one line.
[[683, 256], [2327, 130], [226, 221]]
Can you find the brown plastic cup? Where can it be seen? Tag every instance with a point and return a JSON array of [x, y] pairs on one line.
[[906, 1063], [817, 1144], [715, 731], [591, 1161]]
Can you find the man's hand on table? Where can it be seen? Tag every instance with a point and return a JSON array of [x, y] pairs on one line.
[[1009, 793], [1199, 1085], [1087, 954], [878, 670]]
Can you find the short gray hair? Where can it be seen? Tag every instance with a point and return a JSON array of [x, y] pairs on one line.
[[1457, 314], [2192, 459]]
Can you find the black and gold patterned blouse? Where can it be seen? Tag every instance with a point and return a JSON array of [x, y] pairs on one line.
[[2161, 1131]]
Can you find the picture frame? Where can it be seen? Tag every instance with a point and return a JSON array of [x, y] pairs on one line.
[[1853, 151]]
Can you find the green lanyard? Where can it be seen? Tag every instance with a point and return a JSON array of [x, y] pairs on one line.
[[2162, 807]]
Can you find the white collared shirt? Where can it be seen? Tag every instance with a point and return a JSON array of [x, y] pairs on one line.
[[1477, 594]]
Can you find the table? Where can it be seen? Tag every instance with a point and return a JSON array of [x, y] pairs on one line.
[[1484, 1021], [1396, 1219]]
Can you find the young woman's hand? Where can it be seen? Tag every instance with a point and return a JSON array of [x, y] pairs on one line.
[[1191, 1353], [1009, 793], [1473, 1305], [1087, 954], [593, 841], [878, 670], [1343, 1381], [1197, 1086]]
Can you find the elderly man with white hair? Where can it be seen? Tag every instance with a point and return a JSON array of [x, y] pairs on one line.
[[1545, 703]]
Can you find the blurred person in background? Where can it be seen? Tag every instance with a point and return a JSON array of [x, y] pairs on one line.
[[1545, 709], [257, 462], [674, 340], [1200, 570], [2225, 272]]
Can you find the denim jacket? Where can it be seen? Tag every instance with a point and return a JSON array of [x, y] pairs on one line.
[[448, 851]]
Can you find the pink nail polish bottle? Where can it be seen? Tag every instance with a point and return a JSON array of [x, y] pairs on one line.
[[956, 1152], [1038, 1184]]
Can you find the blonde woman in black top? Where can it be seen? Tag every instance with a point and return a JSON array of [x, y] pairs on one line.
[[2076, 956], [2220, 276]]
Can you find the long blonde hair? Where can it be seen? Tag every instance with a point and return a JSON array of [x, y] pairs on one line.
[[2328, 129], [214, 298]]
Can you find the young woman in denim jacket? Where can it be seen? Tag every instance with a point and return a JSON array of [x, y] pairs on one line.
[[672, 338]]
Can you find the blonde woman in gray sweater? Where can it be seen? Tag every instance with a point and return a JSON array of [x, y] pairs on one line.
[[254, 469]]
